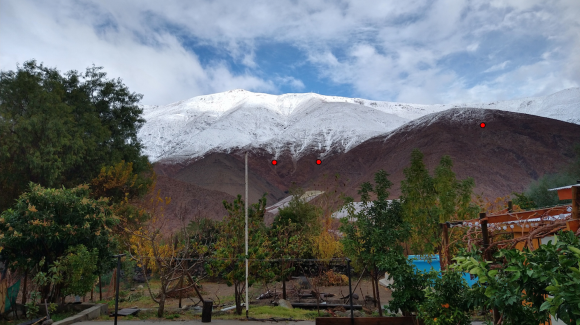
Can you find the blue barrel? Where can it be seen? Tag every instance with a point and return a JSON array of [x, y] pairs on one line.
[[425, 264]]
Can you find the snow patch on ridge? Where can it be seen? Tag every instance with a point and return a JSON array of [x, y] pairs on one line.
[[302, 123]]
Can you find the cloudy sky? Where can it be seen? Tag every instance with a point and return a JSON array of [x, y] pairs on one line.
[[427, 52]]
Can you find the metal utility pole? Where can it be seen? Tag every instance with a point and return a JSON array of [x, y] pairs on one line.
[[246, 212], [117, 284]]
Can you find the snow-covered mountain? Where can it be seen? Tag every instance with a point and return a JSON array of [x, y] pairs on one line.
[[301, 122]]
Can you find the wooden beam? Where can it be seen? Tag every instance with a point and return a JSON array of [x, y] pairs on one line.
[[524, 215]]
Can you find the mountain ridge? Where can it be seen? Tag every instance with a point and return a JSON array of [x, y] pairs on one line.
[[299, 123]]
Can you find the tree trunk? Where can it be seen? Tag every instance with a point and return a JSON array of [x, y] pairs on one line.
[[100, 289], [24, 287], [373, 285], [378, 293], [237, 297], [161, 301], [283, 281]]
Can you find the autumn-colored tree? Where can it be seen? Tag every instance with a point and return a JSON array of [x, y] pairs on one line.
[[125, 190], [152, 247], [45, 223], [120, 182]]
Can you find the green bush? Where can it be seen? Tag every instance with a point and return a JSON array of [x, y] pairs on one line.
[[520, 287], [446, 301], [408, 288]]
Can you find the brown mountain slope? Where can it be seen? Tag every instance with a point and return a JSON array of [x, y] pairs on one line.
[[505, 156], [191, 201]]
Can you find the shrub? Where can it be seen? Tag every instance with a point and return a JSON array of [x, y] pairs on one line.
[[445, 302]]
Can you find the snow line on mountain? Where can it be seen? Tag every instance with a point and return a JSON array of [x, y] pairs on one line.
[[303, 123]]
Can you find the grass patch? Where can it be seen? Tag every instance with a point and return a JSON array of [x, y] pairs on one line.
[[277, 312], [61, 316]]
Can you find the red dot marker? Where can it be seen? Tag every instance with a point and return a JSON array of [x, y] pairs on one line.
[[482, 125], [318, 161], [274, 162]]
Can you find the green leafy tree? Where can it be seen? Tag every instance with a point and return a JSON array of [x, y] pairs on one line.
[[446, 301], [62, 129], [431, 200], [72, 274], [537, 192], [374, 236], [230, 247], [45, 223], [519, 289], [409, 284], [291, 234], [523, 201]]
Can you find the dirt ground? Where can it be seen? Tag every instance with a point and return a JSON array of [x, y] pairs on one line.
[[223, 295]]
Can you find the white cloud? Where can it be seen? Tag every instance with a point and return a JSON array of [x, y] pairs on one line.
[[498, 67], [404, 50]]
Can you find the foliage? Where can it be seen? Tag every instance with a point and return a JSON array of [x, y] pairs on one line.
[[72, 274], [32, 306], [326, 246], [376, 233], [523, 201], [537, 191], [119, 183], [44, 223], [431, 200], [329, 278], [301, 213], [153, 249], [560, 262], [203, 233], [60, 130], [446, 302], [518, 289], [230, 247], [409, 284]]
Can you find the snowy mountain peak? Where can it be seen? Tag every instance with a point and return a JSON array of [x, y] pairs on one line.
[[300, 123]]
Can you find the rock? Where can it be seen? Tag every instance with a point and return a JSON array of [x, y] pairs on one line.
[[132, 289], [140, 287], [302, 282], [47, 322], [369, 299], [285, 304]]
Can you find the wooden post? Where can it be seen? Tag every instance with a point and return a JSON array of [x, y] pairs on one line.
[[484, 232], [575, 202], [485, 236], [206, 311], [510, 207]]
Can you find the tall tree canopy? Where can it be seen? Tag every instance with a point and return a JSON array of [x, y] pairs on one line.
[[60, 129], [431, 200]]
